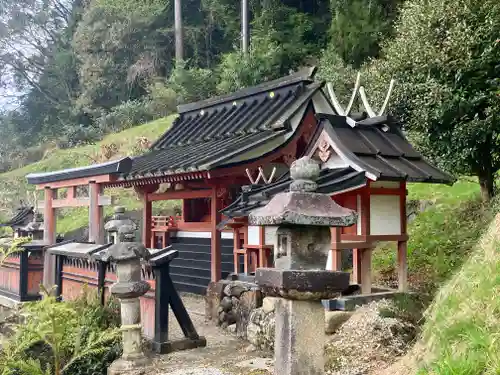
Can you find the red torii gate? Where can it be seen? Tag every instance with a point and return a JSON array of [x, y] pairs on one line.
[[95, 201]]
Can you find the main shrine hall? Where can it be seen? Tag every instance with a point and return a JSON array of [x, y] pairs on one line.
[[226, 156]]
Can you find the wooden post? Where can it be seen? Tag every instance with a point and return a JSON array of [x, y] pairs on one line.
[[336, 254], [147, 213], [49, 238], [236, 247], [402, 245], [358, 256], [49, 219], [402, 267], [101, 281], [366, 271], [59, 275], [215, 258], [356, 266], [96, 217]]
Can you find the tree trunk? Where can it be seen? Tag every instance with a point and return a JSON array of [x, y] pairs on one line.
[[487, 184]]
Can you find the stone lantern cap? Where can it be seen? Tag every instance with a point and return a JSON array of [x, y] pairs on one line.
[[124, 249], [120, 223], [302, 205]]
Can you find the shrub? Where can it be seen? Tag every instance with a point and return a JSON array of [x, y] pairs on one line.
[[79, 337], [189, 84], [79, 135], [124, 116]]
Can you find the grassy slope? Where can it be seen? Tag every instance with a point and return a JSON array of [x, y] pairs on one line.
[[13, 185], [462, 332]]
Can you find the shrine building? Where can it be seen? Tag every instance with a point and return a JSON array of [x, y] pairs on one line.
[[225, 156]]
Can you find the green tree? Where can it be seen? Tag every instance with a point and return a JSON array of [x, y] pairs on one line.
[[445, 60], [358, 28]]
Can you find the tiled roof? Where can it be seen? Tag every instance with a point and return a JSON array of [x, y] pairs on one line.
[[213, 132], [20, 217], [110, 167], [330, 181], [210, 133], [196, 157], [379, 147]]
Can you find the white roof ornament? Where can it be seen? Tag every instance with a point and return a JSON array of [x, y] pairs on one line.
[[368, 108], [261, 176], [335, 101], [358, 88]]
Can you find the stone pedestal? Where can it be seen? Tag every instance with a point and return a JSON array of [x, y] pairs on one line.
[[303, 240], [127, 255], [299, 343]]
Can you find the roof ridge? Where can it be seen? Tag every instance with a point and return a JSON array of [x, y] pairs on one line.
[[303, 75]]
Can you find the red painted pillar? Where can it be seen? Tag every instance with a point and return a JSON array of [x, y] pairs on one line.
[[336, 254], [96, 224], [362, 257], [147, 213], [49, 237], [402, 245], [215, 218]]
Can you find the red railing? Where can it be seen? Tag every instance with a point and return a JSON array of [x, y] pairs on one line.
[[164, 222]]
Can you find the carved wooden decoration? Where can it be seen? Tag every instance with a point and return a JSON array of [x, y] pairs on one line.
[[324, 150]]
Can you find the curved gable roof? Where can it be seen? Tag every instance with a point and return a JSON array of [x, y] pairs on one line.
[[378, 146]]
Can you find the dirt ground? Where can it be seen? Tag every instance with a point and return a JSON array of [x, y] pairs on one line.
[[223, 355]]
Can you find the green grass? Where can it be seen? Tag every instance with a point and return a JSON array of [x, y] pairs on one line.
[[441, 237], [462, 331], [13, 185]]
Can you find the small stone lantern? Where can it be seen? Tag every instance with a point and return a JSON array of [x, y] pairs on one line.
[[303, 240], [127, 255]]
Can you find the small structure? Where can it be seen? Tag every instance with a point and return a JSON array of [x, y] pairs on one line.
[[21, 274], [365, 165], [127, 255], [303, 219], [26, 223]]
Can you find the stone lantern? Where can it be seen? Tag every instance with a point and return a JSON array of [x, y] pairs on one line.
[[127, 255], [303, 240]]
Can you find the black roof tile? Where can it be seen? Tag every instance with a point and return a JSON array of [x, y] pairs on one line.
[[110, 167], [209, 134], [378, 146], [330, 181], [196, 157], [20, 217]]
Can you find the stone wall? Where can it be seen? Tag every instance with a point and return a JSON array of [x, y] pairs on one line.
[[239, 300], [261, 325]]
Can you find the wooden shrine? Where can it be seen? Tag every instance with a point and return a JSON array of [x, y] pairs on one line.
[[216, 147], [25, 223]]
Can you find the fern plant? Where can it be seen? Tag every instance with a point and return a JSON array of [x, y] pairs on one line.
[[56, 336], [13, 248]]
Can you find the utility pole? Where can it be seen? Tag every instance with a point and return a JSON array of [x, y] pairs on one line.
[[179, 38], [245, 29]]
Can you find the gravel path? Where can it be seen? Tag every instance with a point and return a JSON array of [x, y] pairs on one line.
[[222, 356]]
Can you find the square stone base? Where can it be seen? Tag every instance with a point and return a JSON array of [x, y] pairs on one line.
[[300, 338]]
